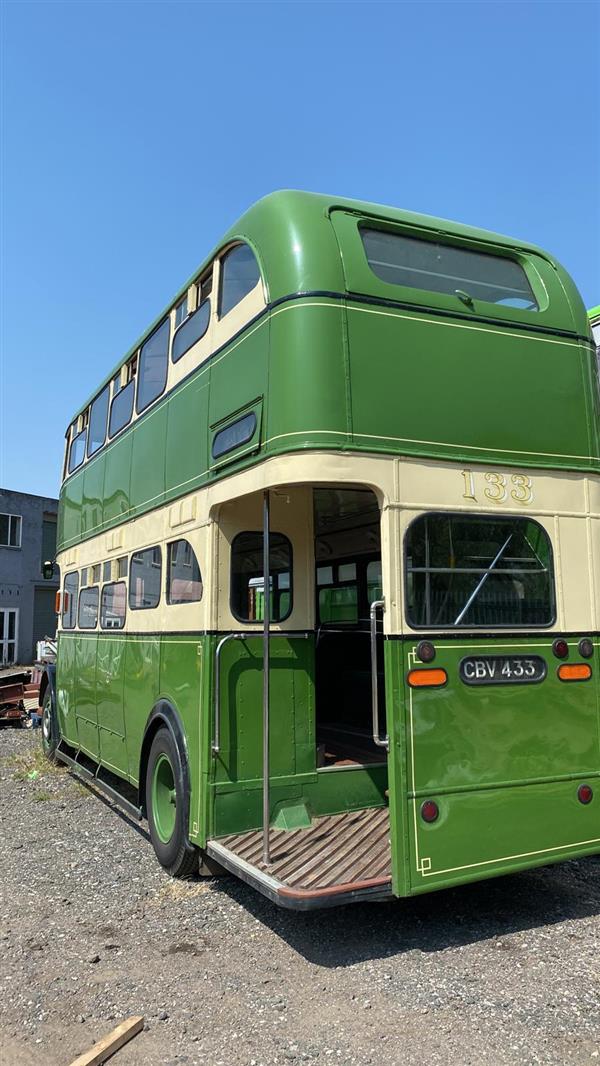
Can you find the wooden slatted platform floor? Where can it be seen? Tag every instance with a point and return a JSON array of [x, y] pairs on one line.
[[340, 855]]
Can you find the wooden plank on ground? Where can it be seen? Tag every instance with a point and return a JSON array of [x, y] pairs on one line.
[[106, 1047]]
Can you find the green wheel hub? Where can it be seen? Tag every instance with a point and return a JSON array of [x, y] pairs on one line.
[[164, 798]]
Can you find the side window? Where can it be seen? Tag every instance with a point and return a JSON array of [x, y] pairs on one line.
[[192, 330], [113, 607], [87, 617], [77, 450], [152, 374], [69, 600], [239, 275], [247, 579], [144, 579], [98, 419], [184, 581], [121, 409]]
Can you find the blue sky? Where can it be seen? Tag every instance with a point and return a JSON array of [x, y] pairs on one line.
[[135, 133]]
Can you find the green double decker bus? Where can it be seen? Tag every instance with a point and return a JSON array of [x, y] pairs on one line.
[[329, 538]]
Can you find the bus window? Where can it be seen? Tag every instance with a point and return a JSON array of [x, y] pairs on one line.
[[478, 571], [112, 611], [121, 409], [69, 600], [184, 581], [239, 275], [420, 264], [144, 579], [152, 375], [192, 330], [247, 581], [87, 617], [98, 419], [77, 451]]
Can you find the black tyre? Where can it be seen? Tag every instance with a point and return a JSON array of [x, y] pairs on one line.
[[167, 807], [50, 734]]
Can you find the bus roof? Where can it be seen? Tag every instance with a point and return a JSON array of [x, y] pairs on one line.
[[297, 252]]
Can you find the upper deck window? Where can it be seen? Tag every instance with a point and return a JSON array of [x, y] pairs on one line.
[[152, 375], [121, 409], [98, 419], [77, 450], [181, 311], [191, 331], [445, 268], [239, 275], [472, 570]]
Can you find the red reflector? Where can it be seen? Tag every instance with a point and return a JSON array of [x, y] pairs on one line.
[[575, 672], [585, 794], [560, 649], [429, 811], [427, 678]]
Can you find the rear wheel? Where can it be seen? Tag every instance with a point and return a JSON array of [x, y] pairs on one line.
[[50, 736], [165, 804]]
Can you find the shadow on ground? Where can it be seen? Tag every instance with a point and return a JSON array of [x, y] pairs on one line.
[[450, 918]]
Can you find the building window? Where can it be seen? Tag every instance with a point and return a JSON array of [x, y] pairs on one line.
[[113, 605], [247, 580], [10, 530], [87, 617], [448, 269], [98, 419], [181, 311], [152, 374], [239, 275], [144, 579], [184, 581], [69, 600], [467, 571]]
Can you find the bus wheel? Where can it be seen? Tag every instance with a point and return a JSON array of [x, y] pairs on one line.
[[49, 727], [165, 806]]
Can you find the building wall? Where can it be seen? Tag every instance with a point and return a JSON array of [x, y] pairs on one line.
[[22, 585]]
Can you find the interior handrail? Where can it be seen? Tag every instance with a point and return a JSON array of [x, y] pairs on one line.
[[378, 740]]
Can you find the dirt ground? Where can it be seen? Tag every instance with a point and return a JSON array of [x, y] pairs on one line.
[[92, 931]]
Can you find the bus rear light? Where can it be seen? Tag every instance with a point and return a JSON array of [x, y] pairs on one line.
[[560, 649], [427, 678], [585, 794], [585, 648], [425, 651], [429, 811], [575, 672]]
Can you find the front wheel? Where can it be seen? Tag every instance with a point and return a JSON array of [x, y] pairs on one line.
[[50, 736], [165, 804]]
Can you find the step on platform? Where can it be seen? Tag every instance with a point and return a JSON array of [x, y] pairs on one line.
[[341, 858]]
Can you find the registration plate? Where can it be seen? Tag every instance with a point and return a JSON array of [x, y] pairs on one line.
[[502, 669]]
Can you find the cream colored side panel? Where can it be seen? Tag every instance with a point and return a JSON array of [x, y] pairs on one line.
[[573, 571]]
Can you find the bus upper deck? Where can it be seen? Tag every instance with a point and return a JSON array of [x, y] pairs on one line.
[[321, 323]]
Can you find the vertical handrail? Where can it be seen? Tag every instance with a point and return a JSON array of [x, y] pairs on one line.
[[381, 742], [266, 672], [216, 744]]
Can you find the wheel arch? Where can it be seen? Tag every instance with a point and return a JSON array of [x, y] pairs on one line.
[[48, 682], [162, 715]]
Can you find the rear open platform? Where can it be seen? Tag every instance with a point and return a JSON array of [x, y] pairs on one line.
[[341, 858]]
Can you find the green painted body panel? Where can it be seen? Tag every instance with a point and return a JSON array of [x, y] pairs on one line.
[[503, 763], [111, 658]]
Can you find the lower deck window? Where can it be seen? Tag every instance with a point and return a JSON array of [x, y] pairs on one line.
[[112, 611], [467, 571], [87, 616], [247, 579]]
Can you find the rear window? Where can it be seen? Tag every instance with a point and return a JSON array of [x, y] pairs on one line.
[[444, 268], [466, 571]]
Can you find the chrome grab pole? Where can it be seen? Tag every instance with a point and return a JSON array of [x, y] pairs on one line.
[[266, 665], [381, 742], [216, 744]]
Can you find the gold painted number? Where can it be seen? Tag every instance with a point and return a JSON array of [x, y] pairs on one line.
[[524, 490], [469, 493], [496, 489]]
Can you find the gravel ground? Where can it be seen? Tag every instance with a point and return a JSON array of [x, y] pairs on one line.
[[92, 931]]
